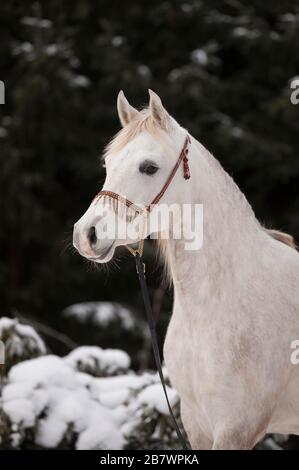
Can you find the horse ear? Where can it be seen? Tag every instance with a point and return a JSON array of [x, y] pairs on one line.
[[157, 109], [126, 112]]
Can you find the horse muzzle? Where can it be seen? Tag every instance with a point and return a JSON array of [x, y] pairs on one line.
[[90, 246]]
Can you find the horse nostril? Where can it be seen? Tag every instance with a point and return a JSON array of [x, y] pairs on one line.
[[92, 236]]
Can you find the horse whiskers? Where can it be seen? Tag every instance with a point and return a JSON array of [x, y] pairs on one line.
[[67, 244], [114, 263], [106, 267]]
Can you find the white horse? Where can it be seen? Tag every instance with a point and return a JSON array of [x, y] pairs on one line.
[[236, 300]]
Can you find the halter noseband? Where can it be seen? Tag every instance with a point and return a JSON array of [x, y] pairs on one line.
[[183, 157]]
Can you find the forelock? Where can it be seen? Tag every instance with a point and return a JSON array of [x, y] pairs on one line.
[[143, 122]]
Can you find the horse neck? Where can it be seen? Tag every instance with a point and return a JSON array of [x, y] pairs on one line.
[[230, 230]]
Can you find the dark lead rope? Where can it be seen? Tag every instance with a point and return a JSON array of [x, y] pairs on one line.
[[152, 327]]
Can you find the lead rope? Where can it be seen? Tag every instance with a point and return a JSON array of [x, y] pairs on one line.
[[140, 268]]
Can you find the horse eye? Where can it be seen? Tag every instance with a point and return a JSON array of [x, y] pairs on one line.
[[148, 167]]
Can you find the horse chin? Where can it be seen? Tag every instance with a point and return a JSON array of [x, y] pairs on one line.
[[105, 256]]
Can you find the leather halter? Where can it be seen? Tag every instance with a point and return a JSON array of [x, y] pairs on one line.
[[186, 172]]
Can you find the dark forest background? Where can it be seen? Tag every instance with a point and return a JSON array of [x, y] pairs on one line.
[[223, 69]]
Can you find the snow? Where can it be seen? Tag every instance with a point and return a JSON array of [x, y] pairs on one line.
[[101, 433], [98, 361], [20, 337], [80, 81], [144, 71], [187, 7], [241, 31], [50, 397], [175, 75], [86, 416], [51, 49], [153, 396], [117, 41], [214, 17], [296, 78], [36, 22], [43, 370], [101, 314], [61, 49], [237, 132], [289, 18], [115, 398], [113, 392], [20, 410], [50, 385], [89, 399], [274, 36], [130, 381], [200, 57], [24, 47]]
